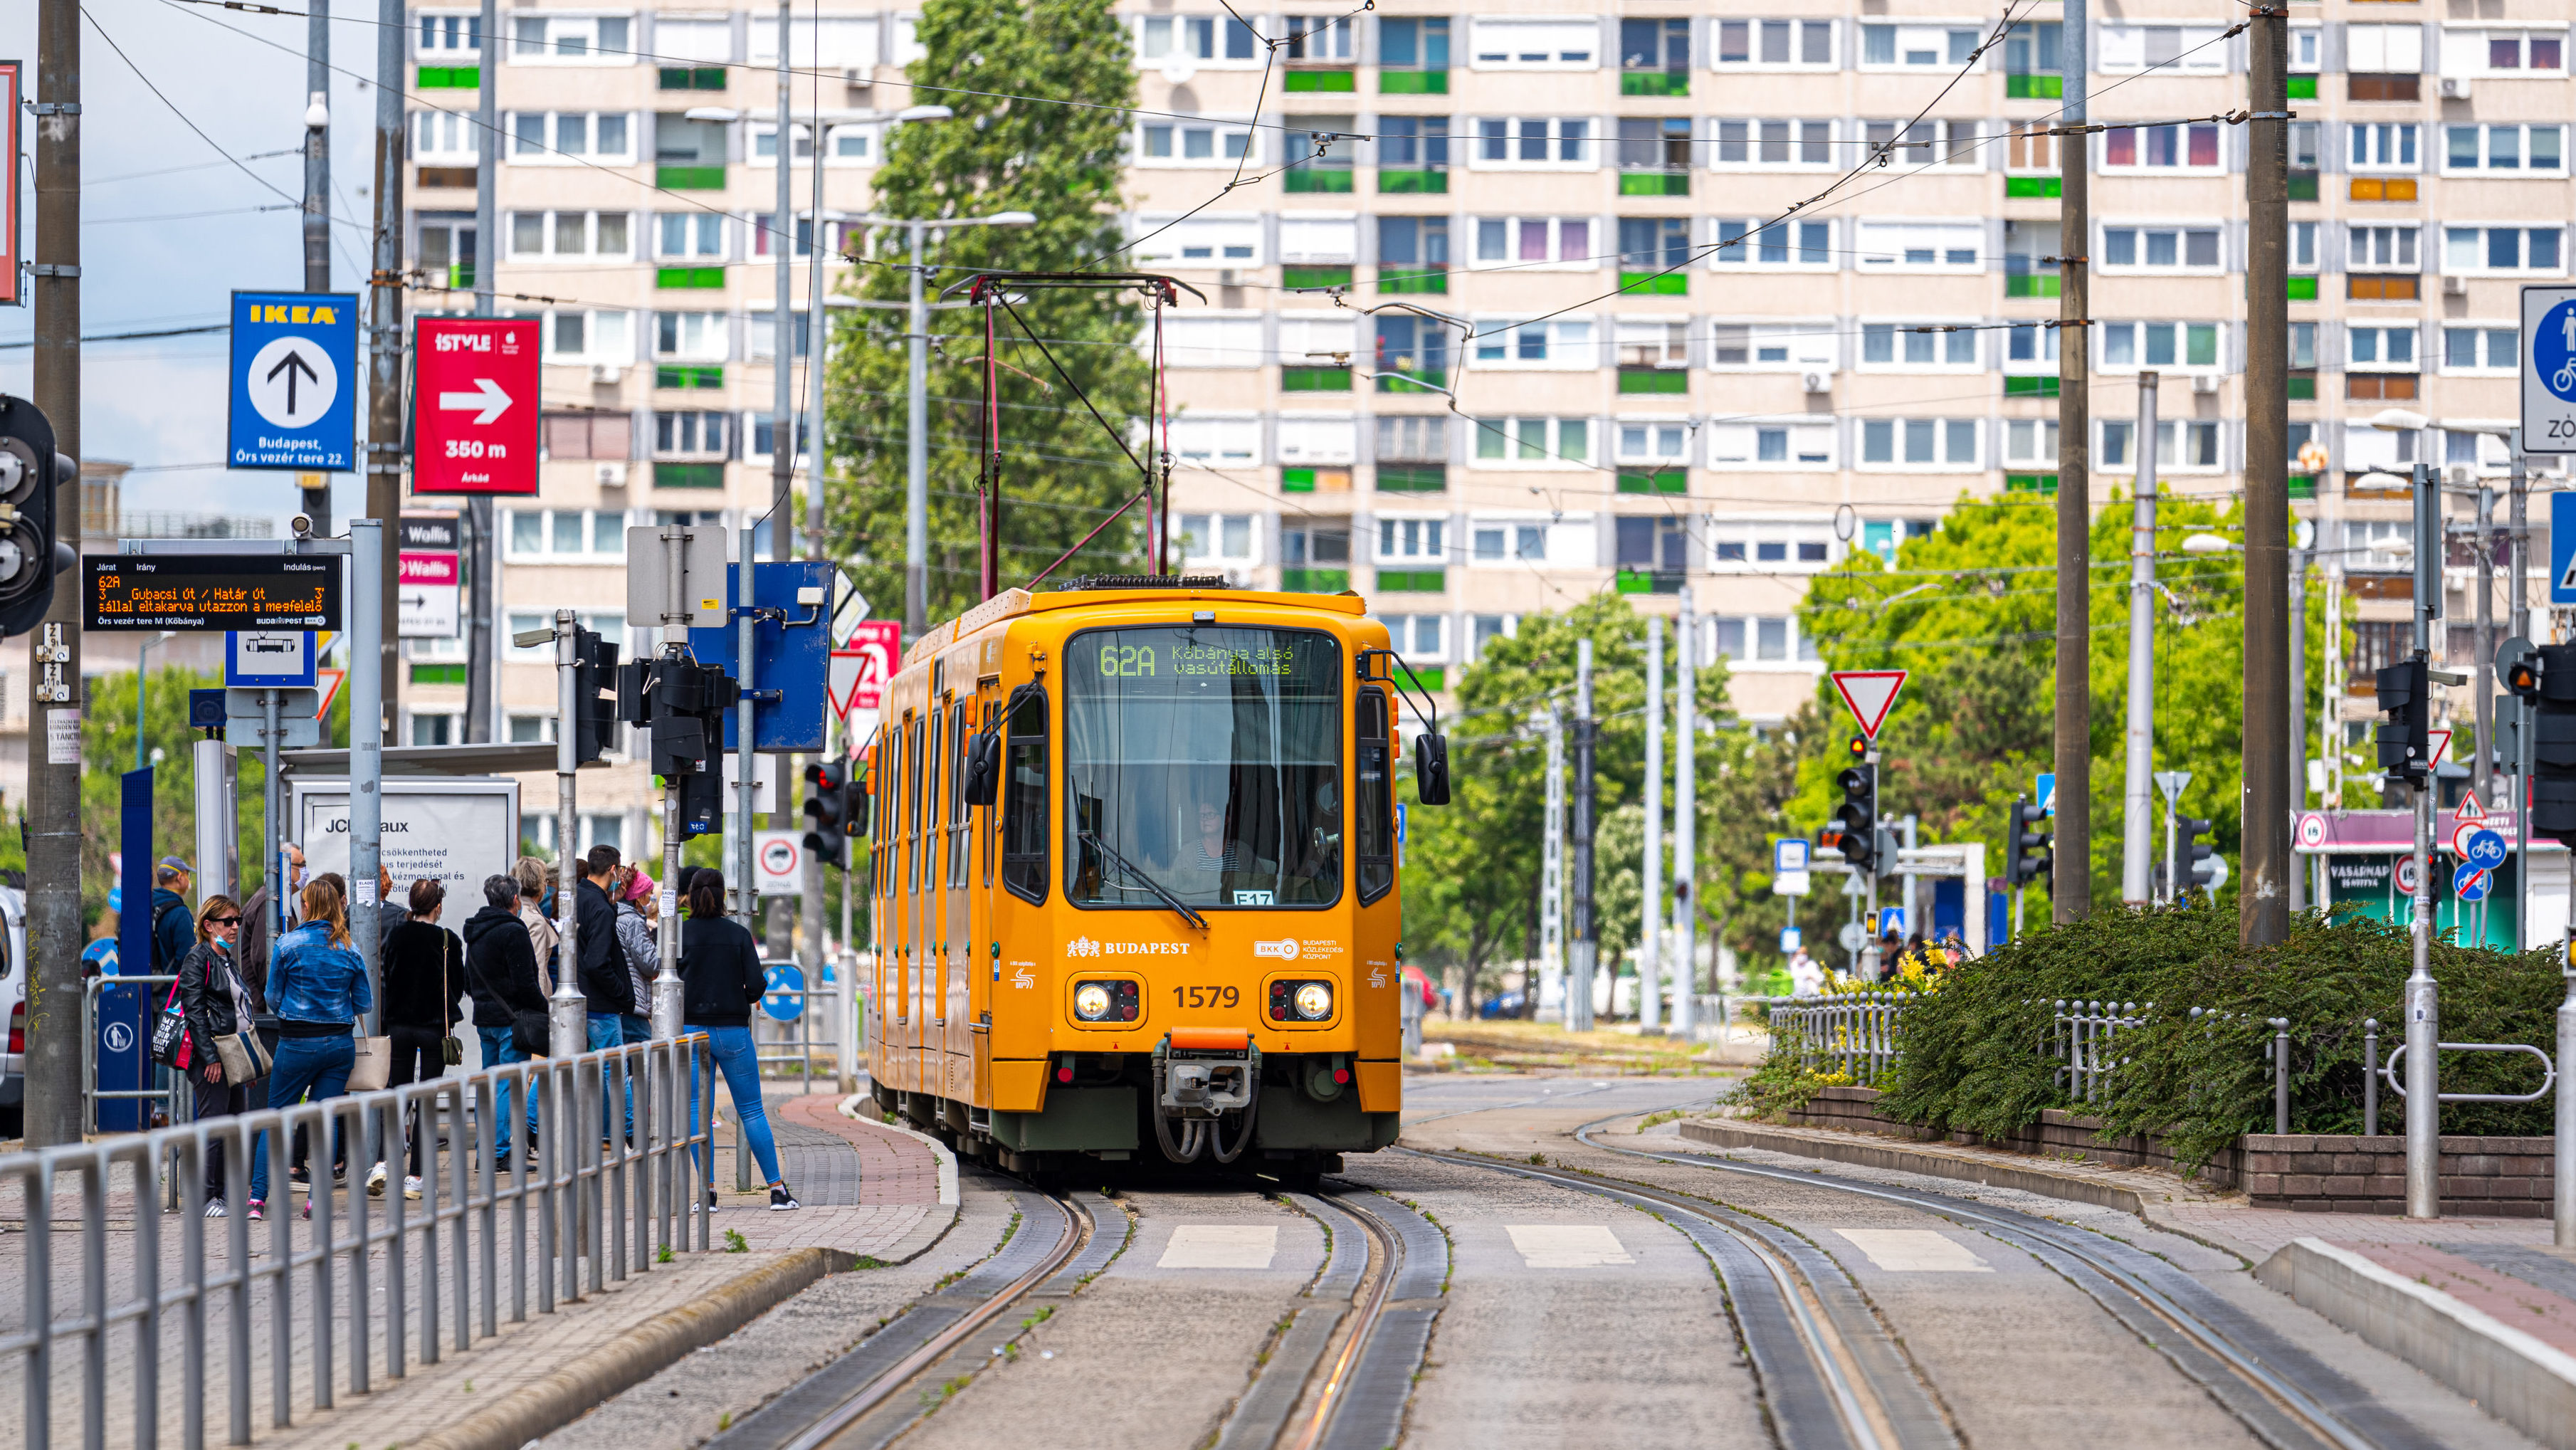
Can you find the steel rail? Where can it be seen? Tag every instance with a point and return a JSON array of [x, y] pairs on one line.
[[1362, 1328], [1865, 1426], [882, 1386], [2023, 1231]]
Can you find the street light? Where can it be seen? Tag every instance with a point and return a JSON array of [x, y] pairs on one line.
[[2206, 544]]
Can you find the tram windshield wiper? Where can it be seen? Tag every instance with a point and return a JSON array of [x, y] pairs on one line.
[[1092, 839]]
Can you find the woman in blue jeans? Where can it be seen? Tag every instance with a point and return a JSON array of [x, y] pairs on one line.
[[317, 987], [721, 976]]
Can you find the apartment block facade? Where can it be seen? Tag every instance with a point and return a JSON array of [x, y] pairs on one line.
[[1666, 385]]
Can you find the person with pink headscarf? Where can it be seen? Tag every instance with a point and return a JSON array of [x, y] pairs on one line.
[[633, 892]]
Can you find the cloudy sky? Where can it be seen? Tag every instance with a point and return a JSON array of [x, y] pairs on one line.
[[170, 226]]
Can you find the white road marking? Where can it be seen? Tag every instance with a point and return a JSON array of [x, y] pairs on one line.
[[1220, 1246], [1567, 1245], [1915, 1251]]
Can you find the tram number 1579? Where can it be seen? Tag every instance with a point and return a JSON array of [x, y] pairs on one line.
[[1205, 997]]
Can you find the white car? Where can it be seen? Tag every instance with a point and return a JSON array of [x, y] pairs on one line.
[[13, 1003]]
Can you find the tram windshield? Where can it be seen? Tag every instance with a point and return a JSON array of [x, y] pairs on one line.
[[1204, 760]]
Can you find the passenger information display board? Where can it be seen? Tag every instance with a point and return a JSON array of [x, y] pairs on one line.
[[211, 593]]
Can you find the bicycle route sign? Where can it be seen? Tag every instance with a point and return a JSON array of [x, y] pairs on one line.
[[2549, 370]]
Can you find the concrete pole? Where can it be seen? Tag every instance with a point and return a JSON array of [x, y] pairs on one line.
[[2263, 900], [1585, 939], [486, 551], [1685, 821], [366, 751], [1549, 1004], [667, 991], [568, 1012], [2516, 612], [54, 1041], [2137, 801], [1650, 892], [2481, 665], [2072, 888], [2423, 998], [2294, 725], [746, 895], [317, 207], [916, 450]]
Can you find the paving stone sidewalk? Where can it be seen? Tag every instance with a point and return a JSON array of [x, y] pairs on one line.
[[882, 1188]]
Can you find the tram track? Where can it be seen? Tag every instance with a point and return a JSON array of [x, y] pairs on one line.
[[853, 1402], [1831, 1378], [2281, 1393]]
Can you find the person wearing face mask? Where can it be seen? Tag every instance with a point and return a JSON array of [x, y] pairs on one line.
[[216, 1003]]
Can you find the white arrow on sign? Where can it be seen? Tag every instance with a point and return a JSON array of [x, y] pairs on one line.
[[487, 396]]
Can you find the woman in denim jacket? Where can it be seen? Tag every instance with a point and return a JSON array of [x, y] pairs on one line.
[[317, 987]]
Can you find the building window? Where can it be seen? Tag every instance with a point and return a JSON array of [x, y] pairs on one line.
[[1924, 143], [2030, 442], [568, 137], [1412, 438], [1319, 37], [1775, 45], [2504, 54], [1484, 629], [2381, 348], [1783, 444], [2467, 250], [1918, 346], [1420, 638], [1163, 40], [2380, 249], [1916, 47], [689, 234], [1771, 347], [1200, 241], [1533, 442], [449, 37], [2159, 345], [1504, 543], [2181, 444], [2382, 146], [1216, 441], [2128, 49], [1531, 143], [1557, 345], [1412, 45], [2303, 344], [1773, 143], [434, 729], [2505, 148], [700, 434], [1168, 142], [576, 335], [529, 729], [1746, 242], [2030, 347], [1654, 143], [589, 435], [1516, 241], [690, 336], [1222, 538], [2182, 146], [1946, 444], [445, 138], [558, 535], [535, 235], [1411, 541], [571, 39], [2161, 249], [1310, 546], [1920, 246], [2494, 350], [1513, 44], [1209, 342]]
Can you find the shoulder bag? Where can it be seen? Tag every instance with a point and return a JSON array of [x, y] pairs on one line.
[[171, 1039], [450, 1051]]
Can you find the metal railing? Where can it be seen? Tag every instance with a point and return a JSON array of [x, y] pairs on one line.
[[96, 1329], [1858, 1035], [170, 1092], [2082, 1035]]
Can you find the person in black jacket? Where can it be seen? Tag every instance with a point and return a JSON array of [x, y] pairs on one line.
[[721, 978], [606, 985], [501, 976], [216, 1004], [424, 970]]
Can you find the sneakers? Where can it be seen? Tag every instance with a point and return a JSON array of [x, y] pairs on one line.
[[258, 1210], [215, 1208], [780, 1200], [376, 1181], [411, 1185], [306, 1212], [711, 1200]]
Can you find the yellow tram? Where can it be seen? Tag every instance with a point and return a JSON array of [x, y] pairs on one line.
[[1136, 892]]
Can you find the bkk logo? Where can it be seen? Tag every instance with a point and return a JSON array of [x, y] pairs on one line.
[[1285, 949]]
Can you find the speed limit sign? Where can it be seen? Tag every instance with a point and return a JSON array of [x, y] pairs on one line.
[[2409, 873]]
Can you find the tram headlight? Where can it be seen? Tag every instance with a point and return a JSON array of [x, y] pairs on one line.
[[1091, 1001], [1314, 1001]]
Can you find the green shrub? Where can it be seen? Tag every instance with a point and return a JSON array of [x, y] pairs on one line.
[[1978, 1055]]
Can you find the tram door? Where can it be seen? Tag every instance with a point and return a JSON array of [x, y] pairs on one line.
[[978, 916], [931, 735]]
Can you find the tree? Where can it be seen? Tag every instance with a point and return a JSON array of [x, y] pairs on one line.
[[1062, 472]]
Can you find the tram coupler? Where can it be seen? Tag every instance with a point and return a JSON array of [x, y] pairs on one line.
[[1205, 1071]]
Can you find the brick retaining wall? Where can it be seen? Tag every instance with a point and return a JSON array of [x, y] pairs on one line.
[[2315, 1173]]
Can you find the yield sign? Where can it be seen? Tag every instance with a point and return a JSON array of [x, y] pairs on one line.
[[1869, 694], [2441, 743]]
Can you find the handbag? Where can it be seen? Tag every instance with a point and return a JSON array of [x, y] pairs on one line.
[[244, 1056], [534, 1032], [374, 1066], [451, 1052], [170, 1037]]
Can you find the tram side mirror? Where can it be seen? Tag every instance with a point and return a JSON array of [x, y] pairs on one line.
[[1431, 769], [984, 768]]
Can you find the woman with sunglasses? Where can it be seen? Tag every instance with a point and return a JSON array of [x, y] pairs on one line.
[[216, 1004]]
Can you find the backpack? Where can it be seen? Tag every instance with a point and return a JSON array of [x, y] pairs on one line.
[[160, 913]]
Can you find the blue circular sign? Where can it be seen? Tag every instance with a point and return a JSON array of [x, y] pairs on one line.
[[2553, 351], [786, 991], [2486, 848], [2472, 882]]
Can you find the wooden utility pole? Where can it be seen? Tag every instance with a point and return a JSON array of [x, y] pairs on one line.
[[2071, 884], [2263, 900]]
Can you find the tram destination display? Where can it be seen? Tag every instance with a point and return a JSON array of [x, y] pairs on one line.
[[211, 593]]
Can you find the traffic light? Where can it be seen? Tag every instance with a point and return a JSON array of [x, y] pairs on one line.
[[1858, 814], [2028, 851], [2406, 739], [2192, 853], [2547, 677], [829, 808], [682, 703], [594, 669], [31, 552]]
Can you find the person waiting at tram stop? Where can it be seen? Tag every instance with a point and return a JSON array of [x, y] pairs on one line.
[[216, 1004], [501, 976], [319, 988], [721, 979]]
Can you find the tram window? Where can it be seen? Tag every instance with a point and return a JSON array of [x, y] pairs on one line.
[[1373, 825], [1024, 796], [913, 765], [992, 814], [959, 743]]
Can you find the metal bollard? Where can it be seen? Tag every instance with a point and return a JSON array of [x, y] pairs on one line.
[[2370, 1077], [2280, 1074]]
